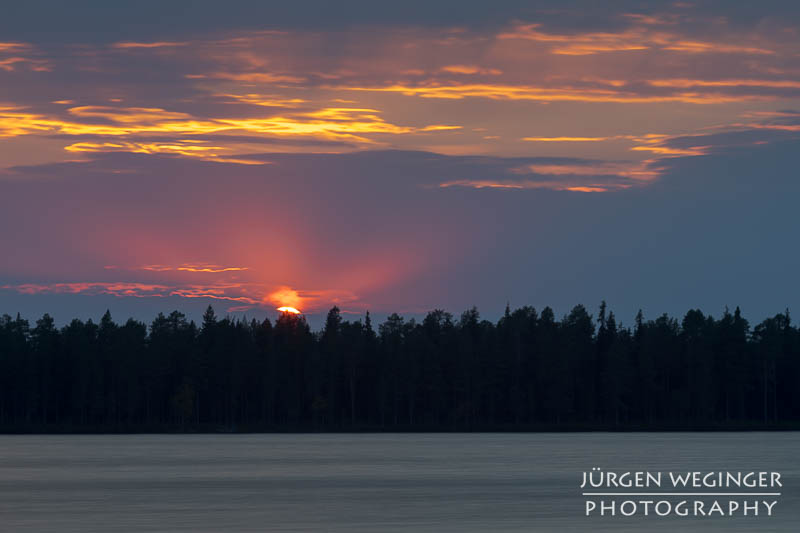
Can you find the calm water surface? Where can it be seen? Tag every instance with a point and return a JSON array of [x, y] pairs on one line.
[[363, 482]]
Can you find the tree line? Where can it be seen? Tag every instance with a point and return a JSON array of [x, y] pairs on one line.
[[527, 371]]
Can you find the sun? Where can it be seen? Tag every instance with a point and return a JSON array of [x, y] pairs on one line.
[[287, 309]]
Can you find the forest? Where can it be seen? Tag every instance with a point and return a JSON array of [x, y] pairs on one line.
[[529, 371]]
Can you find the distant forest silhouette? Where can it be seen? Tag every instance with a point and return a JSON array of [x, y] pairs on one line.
[[528, 371]]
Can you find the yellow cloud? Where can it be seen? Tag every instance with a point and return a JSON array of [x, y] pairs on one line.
[[184, 148], [192, 267], [336, 123]]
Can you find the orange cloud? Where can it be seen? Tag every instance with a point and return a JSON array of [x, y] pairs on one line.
[[580, 44], [114, 288], [771, 114], [627, 169], [12, 47], [183, 148], [566, 139], [471, 69], [249, 77], [192, 267], [248, 295], [635, 38], [160, 44], [587, 189], [9, 64], [331, 123], [129, 115], [550, 94], [22, 54], [686, 83], [651, 20], [618, 174], [776, 127], [655, 143], [264, 100], [529, 185], [214, 292], [335, 123], [699, 47], [209, 268], [298, 81], [114, 121], [671, 151]]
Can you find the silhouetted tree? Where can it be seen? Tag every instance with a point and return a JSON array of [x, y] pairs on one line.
[[527, 371]]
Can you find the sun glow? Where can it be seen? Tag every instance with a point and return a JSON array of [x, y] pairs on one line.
[[287, 309]]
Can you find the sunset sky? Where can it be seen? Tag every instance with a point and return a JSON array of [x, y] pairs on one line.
[[251, 155]]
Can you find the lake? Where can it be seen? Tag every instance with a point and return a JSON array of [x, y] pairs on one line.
[[365, 482]]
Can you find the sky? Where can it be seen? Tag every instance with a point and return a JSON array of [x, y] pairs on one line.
[[398, 157]]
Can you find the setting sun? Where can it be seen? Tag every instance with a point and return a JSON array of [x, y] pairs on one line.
[[286, 309]]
